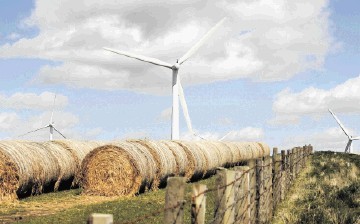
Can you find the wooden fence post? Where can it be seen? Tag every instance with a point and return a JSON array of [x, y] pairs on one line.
[[297, 162], [260, 205], [276, 179], [293, 163], [242, 195], [174, 200], [252, 190], [97, 218], [224, 202], [304, 155], [198, 204], [283, 175], [268, 187], [291, 166], [311, 149], [288, 174]]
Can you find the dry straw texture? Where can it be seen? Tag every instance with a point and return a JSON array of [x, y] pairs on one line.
[[27, 168], [196, 157], [117, 168], [78, 150], [126, 168], [183, 166], [164, 159], [120, 168]]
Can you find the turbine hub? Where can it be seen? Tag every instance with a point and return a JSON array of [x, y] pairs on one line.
[[176, 65]]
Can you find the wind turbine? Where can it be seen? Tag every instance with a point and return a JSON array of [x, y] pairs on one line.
[[348, 147], [177, 90], [50, 125]]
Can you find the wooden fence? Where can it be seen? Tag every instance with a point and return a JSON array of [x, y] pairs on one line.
[[244, 194]]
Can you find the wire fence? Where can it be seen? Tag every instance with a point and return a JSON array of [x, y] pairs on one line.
[[244, 194]]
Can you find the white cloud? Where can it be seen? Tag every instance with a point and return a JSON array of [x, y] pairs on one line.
[[245, 134], [63, 122], [289, 106], [8, 121], [224, 121], [15, 124], [135, 135], [44, 100], [285, 119], [282, 38], [332, 139], [13, 36], [165, 115]]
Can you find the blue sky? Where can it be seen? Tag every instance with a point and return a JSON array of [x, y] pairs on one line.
[[272, 83]]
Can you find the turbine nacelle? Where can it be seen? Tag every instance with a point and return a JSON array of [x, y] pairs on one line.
[[176, 66]]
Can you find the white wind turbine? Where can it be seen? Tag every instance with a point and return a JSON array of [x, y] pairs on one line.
[[50, 126], [348, 147], [177, 90]]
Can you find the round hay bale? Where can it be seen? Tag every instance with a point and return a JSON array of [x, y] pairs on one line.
[[67, 164], [226, 153], [164, 158], [197, 157], [265, 148], [244, 150], [214, 157], [9, 178], [120, 168], [183, 166], [221, 155], [236, 155], [256, 149], [78, 151], [252, 150], [27, 169]]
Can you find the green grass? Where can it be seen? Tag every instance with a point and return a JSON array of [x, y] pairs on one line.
[[123, 210], [327, 192]]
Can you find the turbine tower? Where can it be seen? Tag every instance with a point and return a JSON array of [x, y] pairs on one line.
[[50, 126], [177, 90], [348, 148]]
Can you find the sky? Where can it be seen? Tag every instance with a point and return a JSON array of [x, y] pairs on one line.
[[269, 73]]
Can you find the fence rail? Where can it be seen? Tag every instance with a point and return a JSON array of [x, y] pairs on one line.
[[244, 194]]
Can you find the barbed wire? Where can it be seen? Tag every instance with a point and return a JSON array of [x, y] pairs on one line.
[[251, 192]]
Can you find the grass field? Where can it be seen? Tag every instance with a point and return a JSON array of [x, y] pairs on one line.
[[72, 207], [328, 191]]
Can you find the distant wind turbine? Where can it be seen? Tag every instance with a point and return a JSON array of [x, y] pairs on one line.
[[50, 125], [348, 147], [177, 90]]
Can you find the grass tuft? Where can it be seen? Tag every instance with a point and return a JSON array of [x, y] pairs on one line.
[[328, 191]]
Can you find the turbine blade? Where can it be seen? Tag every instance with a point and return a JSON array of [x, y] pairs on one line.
[[356, 138], [185, 108], [58, 132], [186, 111], [140, 57], [201, 41], [33, 131], [340, 124], [225, 136], [52, 113]]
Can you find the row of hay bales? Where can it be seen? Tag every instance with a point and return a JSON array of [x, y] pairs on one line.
[[112, 168], [30, 168], [126, 168]]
